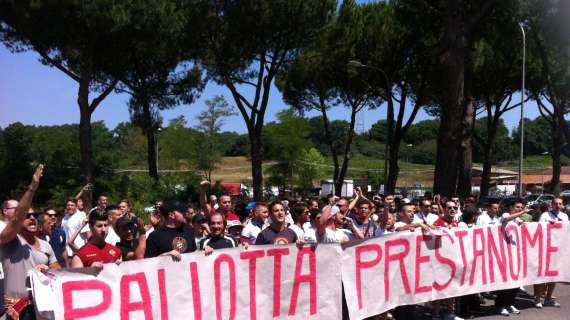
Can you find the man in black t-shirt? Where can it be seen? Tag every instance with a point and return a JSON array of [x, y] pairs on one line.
[[278, 231], [216, 239], [174, 237]]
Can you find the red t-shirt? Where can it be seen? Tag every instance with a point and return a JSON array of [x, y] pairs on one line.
[[91, 253], [230, 215], [442, 223]]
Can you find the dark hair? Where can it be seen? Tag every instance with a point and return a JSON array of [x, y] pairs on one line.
[[102, 194], [111, 208], [273, 204], [544, 207], [42, 218], [171, 206], [217, 214], [469, 213], [259, 204], [71, 199], [491, 202], [313, 213], [97, 216], [298, 209]]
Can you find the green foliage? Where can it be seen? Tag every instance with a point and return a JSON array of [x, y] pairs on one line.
[[308, 168], [504, 147]]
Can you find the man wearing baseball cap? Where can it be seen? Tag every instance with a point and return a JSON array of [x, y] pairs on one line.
[[174, 237]]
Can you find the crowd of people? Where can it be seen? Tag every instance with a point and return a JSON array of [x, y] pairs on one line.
[[107, 233]]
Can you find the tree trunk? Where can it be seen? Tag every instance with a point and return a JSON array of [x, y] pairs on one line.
[[467, 123], [85, 143], [256, 165], [555, 154], [488, 149], [449, 135], [348, 144], [150, 132], [331, 143], [387, 145], [394, 168]]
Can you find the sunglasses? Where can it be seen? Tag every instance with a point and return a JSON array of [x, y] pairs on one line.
[[32, 215], [450, 208]]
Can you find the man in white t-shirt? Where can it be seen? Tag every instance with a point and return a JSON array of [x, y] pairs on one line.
[[256, 224], [73, 223], [329, 227], [489, 217], [552, 216]]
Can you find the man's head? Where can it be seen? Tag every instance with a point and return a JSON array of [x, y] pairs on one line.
[[277, 212], [392, 207], [517, 206], [557, 205], [449, 210], [46, 225], [314, 204], [225, 204], [425, 206], [173, 213], [102, 201], [199, 224], [70, 206], [9, 210], [114, 214], [342, 204], [125, 228], [125, 206], [99, 225], [456, 200], [363, 211], [434, 208], [217, 224], [52, 214], [213, 199], [406, 213], [31, 224], [261, 212], [80, 204], [234, 228], [389, 198], [300, 212], [189, 214], [492, 208]]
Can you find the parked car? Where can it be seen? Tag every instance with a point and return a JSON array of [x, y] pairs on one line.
[[539, 198], [565, 193]]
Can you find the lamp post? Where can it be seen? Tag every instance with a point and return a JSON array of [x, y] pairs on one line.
[[359, 65], [522, 110]]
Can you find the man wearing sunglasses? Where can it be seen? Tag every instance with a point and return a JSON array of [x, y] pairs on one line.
[[21, 250]]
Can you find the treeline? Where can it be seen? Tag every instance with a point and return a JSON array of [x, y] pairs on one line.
[[458, 60]]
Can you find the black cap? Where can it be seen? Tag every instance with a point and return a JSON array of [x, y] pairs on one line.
[[171, 206], [199, 218]]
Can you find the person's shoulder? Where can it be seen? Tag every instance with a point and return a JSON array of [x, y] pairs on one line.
[[113, 250], [85, 248]]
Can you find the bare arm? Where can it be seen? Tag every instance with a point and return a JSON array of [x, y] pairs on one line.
[[76, 262], [11, 230], [71, 241], [322, 223], [141, 247], [204, 198]]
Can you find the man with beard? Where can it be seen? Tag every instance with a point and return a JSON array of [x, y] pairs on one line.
[[217, 239], [22, 251], [96, 251]]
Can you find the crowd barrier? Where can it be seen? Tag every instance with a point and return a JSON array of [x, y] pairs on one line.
[[287, 282]]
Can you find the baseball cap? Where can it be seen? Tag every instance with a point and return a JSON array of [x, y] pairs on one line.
[[234, 223], [171, 206], [250, 206]]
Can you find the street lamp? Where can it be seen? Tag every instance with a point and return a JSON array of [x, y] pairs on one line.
[[359, 65], [522, 110]]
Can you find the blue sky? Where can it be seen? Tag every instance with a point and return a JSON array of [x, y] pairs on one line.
[[36, 94]]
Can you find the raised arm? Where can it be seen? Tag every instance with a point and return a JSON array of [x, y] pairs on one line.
[[141, 247], [322, 223], [11, 230], [204, 185], [71, 240]]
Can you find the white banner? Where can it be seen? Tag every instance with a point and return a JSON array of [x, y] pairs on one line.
[[410, 268], [263, 282]]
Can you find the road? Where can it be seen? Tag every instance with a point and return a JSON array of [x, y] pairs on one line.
[[525, 303]]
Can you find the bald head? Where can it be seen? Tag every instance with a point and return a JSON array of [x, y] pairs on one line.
[[9, 210]]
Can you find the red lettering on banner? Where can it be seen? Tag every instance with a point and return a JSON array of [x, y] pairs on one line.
[[494, 254], [460, 234], [508, 232], [162, 294], [196, 298], [478, 233], [419, 260], [550, 249], [310, 277], [71, 313], [400, 256], [126, 305], [252, 256], [360, 265], [527, 239], [446, 261], [276, 254], [218, 284]]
